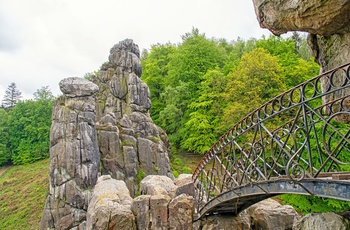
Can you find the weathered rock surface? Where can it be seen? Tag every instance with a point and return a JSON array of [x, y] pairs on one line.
[[130, 143], [181, 210], [225, 222], [328, 23], [141, 209], [321, 221], [159, 208], [267, 215], [110, 206], [313, 16], [270, 215], [185, 185], [77, 87], [74, 156], [158, 185]]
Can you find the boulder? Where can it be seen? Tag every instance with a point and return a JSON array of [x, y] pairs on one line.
[[159, 212], [321, 221], [158, 185], [110, 206], [185, 185], [225, 222], [77, 87], [270, 215], [314, 16], [181, 210], [141, 209]]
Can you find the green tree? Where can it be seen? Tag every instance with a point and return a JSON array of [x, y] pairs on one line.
[[12, 96], [204, 122], [257, 78], [192, 59], [295, 68], [43, 94], [29, 125], [155, 71], [4, 148], [172, 117]]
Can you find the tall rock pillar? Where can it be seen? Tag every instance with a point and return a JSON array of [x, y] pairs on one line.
[[74, 156], [131, 145]]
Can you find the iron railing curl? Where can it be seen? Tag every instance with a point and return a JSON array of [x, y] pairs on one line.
[[295, 135]]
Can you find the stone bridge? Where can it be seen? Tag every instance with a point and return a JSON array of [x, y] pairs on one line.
[[294, 144]]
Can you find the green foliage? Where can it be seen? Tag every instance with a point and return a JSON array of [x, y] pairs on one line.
[[5, 155], [155, 70], [29, 128], [309, 204], [204, 122], [256, 79], [201, 87], [43, 94]]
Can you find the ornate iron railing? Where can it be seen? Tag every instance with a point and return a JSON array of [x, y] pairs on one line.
[[294, 135]]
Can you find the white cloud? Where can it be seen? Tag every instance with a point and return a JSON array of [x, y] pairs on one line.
[[46, 41]]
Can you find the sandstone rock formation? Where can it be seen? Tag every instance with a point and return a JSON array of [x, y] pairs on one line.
[[131, 145], [324, 221], [110, 205], [267, 214], [109, 123], [328, 23], [314, 16], [74, 156], [159, 208]]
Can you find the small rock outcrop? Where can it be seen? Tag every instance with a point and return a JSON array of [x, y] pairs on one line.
[[328, 25], [314, 16], [74, 156], [131, 145], [110, 205], [159, 208], [270, 215], [324, 221], [267, 214]]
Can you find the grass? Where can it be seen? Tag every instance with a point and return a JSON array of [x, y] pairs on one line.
[[22, 195], [182, 163]]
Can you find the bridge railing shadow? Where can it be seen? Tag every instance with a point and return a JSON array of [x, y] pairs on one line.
[[294, 135]]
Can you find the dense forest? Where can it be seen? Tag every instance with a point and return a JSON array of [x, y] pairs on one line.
[[25, 126], [199, 89]]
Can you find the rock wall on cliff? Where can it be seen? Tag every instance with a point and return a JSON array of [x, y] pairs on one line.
[[131, 145], [74, 156]]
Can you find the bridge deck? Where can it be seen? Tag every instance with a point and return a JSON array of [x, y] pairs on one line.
[[236, 200]]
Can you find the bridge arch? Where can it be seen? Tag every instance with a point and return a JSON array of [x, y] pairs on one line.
[[236, 200], [293, 143]]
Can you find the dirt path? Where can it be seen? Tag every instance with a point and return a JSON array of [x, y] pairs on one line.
[[4, 169]]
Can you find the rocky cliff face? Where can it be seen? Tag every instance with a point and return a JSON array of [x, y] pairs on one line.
[[131, 145], [74, 156], [106, 122], [328, 23]]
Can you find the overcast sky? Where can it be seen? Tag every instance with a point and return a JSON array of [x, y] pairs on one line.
[[44, 41]]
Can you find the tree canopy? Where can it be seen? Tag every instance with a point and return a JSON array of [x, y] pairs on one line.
[[25, 129], [202, 86]]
